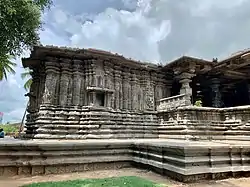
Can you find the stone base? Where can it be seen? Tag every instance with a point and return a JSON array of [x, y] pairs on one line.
[[62, 168], [186, 161], [90, 123]]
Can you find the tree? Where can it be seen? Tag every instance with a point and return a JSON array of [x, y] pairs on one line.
[[20, 21], [6, 66], [26, 75]]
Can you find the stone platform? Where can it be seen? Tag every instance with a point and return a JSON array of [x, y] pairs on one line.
[[186, 161]]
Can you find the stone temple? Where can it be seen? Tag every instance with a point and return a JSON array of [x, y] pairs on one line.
[[188, 119], [93, 94]]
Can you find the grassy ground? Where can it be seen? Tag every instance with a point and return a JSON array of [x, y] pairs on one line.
[[106, 182]]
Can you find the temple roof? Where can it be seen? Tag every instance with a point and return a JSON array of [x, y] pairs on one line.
[[39, 52], [185, 59]]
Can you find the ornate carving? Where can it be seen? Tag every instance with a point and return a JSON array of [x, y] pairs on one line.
[[76, 81], [64, 82], [50, 82]]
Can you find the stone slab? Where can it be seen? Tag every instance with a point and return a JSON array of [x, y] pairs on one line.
[[183, 160]]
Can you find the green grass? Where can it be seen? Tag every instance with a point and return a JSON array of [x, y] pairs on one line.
[[10, 128], [106, 182]]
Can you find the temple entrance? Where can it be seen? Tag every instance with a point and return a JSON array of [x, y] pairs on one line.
[[176, 86], [237, 96]]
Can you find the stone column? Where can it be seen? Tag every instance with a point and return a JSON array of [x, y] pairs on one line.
[[76, 82], [42, 86], [129, 90], [148, 92], [117, 88], [134, 91], [216, 95], [141, 91], [87, 69], [185, 79], [83, 91], [64, 82], [120, 80], [51, 71], [125, 89], [33, 93], [111, 86]]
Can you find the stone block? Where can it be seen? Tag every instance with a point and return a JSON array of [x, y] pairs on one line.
[[38, 170], [53, 169], [25, 170], [71, 168], [10, 171]]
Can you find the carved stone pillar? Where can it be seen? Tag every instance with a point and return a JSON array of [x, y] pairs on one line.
[[117, 88], [76, 82], [141, 91], [216, 94], [125, 89], [87, 75], [120, 81], [64, 83], [51, 79], [134, 91], [33, 93], [111, 86], [129, 90], [70, 88], [185, 79], [83, 90], [41, 88], [148, 92]]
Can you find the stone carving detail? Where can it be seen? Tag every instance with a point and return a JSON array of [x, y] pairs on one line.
[[216, 95], [64, 83], [50, 83], [76, 82]]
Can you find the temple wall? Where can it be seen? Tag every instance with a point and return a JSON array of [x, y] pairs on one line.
[[205, 123], [95, 98]]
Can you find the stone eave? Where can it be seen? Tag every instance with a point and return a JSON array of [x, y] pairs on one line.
[[232, 57], [185, 60], [40, 52]]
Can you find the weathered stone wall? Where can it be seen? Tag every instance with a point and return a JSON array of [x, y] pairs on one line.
[[38, 158], [182, 160], [205, 123], [94, 98]]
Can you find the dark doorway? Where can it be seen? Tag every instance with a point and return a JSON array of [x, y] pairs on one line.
[[100, 98], [176, 86]]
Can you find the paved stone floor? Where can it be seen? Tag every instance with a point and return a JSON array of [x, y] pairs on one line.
[[18, 181]]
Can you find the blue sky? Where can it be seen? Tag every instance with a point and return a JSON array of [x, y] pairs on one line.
[[146, 30]]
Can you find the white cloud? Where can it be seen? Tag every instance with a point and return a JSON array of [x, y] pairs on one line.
[[147, 30], [132, 34]]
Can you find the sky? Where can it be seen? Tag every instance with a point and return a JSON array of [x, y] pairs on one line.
[[156, 31]]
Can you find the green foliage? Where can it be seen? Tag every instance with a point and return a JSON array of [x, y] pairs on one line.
[[10, 128], [107, 182], [6, 66], [26, 75], [20, 21], [198, 103]]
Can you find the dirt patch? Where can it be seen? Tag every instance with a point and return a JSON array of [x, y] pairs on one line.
[[17, 181]]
